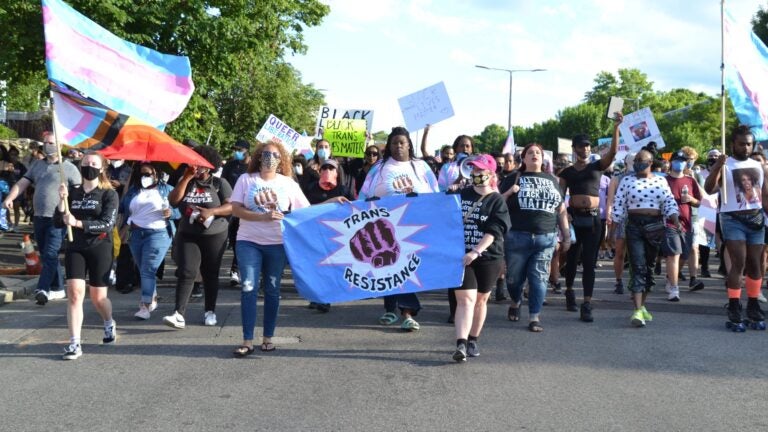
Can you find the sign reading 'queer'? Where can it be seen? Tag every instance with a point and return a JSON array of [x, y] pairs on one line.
[[275, 129]]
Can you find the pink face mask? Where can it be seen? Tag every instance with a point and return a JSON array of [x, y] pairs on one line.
[[328, 178]]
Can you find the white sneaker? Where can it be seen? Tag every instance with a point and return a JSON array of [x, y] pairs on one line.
[[674, 294], [57, 295], [234, 277], [72, 352], [209, 318], [761, 298], [143, 313], [175, 321], [152, 306], [110, 334]]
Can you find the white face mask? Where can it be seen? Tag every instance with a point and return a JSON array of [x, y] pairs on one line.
[[299, 169], [147, 182], [117, 163]]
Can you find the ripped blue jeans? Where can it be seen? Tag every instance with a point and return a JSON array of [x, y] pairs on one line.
[[265, 262]]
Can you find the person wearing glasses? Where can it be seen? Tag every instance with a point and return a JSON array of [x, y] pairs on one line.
[[645, 205], [146, 212], [399, 172], [372, 155], [44, 175], [260, 199], [203, 201]]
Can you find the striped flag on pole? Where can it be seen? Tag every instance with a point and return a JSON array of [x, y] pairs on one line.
[[746, 75]]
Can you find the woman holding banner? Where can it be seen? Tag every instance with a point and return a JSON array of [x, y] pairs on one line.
[[260, 199], [486, 220], [399, 172]]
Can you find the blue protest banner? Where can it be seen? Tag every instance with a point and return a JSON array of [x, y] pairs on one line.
[[395, 245]]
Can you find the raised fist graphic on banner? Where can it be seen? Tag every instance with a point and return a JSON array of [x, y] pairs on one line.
[[375, 244]]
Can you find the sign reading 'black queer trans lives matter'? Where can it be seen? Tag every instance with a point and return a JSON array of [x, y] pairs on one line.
[[343, 252]]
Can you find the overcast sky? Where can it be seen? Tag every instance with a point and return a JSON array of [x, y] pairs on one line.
[[367, 54]]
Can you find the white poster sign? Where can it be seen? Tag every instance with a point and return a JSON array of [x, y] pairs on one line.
[[639, 128], [427, 106]]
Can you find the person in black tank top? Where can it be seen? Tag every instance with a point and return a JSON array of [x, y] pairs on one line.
[[581, 182]]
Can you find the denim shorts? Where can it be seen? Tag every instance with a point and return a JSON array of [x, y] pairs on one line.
[[677, 242], [734, 230]]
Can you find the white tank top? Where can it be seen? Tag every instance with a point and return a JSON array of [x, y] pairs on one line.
[[744, 185]]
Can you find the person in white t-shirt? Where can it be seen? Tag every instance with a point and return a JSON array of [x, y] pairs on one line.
[[399, 172], [260, 199]]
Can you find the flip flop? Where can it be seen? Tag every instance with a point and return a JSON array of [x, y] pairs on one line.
[[243, 351], [388, 318], [513, 314], [410, 324], [267, 346], [535, 327]]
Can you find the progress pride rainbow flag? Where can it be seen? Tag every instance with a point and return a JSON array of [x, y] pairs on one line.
[[128, 78]]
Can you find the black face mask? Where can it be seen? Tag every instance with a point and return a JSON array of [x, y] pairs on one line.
[[711, 162], [89, 172]]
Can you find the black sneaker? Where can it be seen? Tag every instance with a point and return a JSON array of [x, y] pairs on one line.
[[657, 268], [41, 297], [72, 352], [324, 307], [705, 273], [460, 355], [618, 288], [197, 290], [472, 349], [570, 301], [586, 312], [557, 288], [695, 285]]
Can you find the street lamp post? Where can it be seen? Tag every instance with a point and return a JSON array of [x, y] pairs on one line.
[[511, 72]]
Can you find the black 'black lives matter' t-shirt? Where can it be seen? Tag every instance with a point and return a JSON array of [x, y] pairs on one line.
[[534, 207]]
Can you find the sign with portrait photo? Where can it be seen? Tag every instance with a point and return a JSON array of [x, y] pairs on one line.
[[639, 128]]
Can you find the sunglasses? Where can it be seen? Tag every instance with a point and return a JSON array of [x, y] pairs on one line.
[[275, 155]]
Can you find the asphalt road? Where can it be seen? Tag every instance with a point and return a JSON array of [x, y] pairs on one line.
[[343, 371]]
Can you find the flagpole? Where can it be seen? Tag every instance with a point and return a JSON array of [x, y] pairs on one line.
[[723, 195], [61, 164], [209, 136]]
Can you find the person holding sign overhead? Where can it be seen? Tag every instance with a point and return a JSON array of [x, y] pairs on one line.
[[399, 172]]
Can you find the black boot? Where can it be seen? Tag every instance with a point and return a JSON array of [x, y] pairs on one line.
[[754, 313], [570, 300], [734, 311], [586, 312]]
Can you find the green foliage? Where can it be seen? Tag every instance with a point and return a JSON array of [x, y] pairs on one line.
[[685, 118], [236, 48], [380, 136], [760, 24], [491, 139], [6, 133]]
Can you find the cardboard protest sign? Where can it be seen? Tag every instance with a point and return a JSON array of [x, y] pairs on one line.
[[347, 137], [275, 129], [330, 113], [564, 146], [427, 106], [639, 128], [603, 144]]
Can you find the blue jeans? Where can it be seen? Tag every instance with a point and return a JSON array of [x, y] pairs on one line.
[[267, 261], [49, 239], [408, 301], [735, 230], [528, 256], [149, 247]]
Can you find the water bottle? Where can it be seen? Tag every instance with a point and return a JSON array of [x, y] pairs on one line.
[[684, 193]]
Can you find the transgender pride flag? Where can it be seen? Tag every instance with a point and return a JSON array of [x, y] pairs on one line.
[[746, 75], [123, 76]]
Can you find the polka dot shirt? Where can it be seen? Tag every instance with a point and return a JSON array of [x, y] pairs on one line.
[[651, 192]]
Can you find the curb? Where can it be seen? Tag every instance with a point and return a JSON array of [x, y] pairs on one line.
[[14, 288]]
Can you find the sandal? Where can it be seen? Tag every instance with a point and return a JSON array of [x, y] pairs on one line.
[[535, 327], [410, 324], [267, 346], [243, 351], [388, 318], [513, 314]]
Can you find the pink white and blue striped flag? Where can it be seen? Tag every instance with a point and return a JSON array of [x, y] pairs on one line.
[[746, 75], [509, 144], [128, 78]]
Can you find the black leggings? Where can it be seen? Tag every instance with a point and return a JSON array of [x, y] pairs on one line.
[[586, 247], [201, 253]]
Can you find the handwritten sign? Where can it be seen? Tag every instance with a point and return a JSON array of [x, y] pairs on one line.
[[275, 129], [639, 128], [330, 113], [347, 137], [427, 106]]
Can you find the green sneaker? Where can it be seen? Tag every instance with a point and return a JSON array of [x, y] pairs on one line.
[[637, 319], [646, 315]]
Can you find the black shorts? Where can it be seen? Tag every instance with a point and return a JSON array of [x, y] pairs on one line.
[[482, 275], [96, 261]]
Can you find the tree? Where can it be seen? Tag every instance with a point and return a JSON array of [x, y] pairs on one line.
[[381, 136], [630, 84], [491, 139], [760, 24], [236, 48]]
